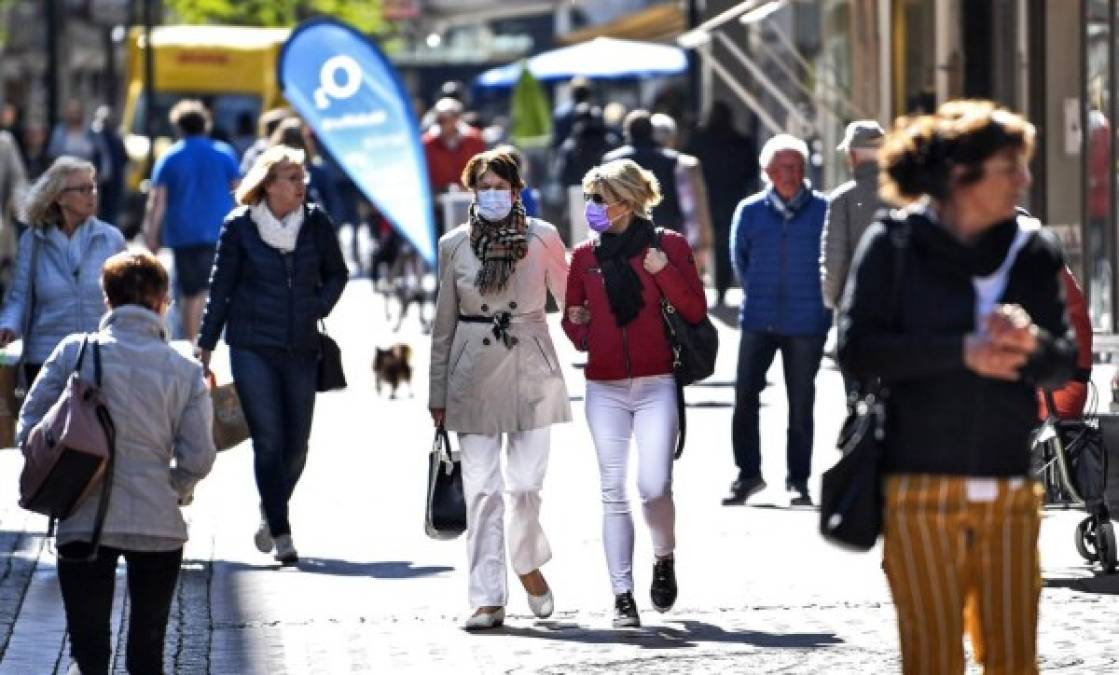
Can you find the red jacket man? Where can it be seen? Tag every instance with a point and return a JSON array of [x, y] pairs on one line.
[[449, 145]]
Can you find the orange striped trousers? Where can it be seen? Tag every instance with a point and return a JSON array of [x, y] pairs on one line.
[[961, 554]]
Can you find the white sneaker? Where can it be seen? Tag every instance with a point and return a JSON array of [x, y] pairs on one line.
[[285, 550], [263, 537], [485, 620]]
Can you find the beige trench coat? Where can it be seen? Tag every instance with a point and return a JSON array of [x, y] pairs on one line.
[[486, 387]]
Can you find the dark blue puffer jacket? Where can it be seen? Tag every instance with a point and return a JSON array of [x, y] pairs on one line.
[[776, 254], [265, 298]]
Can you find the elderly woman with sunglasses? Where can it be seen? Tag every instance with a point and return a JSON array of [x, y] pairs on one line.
[[56, 288], [495, 378], [613, 312]]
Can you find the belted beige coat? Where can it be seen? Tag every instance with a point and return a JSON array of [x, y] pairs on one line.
[[486, 386]]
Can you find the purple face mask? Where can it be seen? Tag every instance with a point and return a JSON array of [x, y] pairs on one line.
[[597, 219]]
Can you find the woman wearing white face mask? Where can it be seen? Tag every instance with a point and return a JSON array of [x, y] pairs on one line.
[[495, 377]]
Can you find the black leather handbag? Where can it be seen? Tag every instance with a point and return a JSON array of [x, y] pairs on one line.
[[851, 491], [331, 376], [445, 517], [694, 345], [694, 348]]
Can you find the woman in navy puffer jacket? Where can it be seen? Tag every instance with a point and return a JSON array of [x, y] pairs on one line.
[[278, 271]]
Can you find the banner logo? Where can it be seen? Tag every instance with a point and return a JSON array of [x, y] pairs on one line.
[[329, 86]]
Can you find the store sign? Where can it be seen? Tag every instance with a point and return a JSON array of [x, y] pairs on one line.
[[353, 99]]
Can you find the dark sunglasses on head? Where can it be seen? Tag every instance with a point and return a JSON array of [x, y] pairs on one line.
[[596, 198]]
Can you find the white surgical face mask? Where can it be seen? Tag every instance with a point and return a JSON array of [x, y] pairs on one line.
[[494, 205]]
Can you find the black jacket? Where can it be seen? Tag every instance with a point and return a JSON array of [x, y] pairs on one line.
[[265, 298], [942, 418], [662, 163]]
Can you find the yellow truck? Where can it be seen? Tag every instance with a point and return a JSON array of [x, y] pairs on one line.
[[232, 69]]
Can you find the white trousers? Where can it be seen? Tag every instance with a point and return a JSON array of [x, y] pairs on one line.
[[526, 463], [643, 408]]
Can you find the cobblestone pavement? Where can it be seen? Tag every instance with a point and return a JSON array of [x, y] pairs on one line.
[[760, 592]]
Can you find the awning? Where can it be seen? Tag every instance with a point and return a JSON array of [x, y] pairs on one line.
[[601, 58], [659, 23]]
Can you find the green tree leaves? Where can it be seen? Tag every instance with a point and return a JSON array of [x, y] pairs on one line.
[[365, 15]]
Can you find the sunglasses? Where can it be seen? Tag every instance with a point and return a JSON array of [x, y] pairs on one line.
[[82, 189], [596, 198]]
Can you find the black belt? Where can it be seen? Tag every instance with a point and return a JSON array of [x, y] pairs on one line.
[[500, 321], [1082, 375]]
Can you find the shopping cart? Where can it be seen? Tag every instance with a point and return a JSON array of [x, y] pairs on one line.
[[1070, 459]]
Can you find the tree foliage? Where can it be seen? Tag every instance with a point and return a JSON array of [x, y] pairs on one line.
[[365, 15]]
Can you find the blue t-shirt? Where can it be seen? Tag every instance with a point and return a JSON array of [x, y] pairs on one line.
[[197, 173]]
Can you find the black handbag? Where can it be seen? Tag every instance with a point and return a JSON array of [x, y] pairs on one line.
[[694, 348], [331, 376], [851, 491], [694, 345], [445, 516]]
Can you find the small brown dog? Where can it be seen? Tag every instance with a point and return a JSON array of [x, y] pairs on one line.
[[393, 366]]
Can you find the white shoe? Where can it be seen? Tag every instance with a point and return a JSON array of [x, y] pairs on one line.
[[541, 605], [285, 550], [485, 620], [263, 537]]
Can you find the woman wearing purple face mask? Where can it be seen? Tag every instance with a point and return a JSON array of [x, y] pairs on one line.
[[613, 312], [495, 378]]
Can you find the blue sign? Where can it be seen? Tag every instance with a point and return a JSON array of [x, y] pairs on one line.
[[353, 99]]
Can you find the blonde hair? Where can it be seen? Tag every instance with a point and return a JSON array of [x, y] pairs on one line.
[[251, 189], [41, 206], [624, 181]]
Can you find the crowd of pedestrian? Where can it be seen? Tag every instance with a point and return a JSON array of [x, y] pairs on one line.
[[257, 258]]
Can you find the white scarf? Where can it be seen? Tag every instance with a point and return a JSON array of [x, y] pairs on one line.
[[280, 234]]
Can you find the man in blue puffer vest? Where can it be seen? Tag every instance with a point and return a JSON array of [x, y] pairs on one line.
[[775, 247]]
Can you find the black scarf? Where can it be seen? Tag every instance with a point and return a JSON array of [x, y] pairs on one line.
[[623, 285]]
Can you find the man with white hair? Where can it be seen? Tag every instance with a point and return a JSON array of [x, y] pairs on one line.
[[775, 247], [448, 146], [851, 207]]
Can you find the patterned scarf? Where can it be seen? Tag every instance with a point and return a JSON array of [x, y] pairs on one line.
[[498, 246]]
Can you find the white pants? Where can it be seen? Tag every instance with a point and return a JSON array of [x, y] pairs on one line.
[[526, 463], [643, 408]]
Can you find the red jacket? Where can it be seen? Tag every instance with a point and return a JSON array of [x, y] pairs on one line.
[[641, 348], [445, 164], [1071, 398]]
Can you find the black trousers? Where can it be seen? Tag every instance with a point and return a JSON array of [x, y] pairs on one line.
[[87, 594]]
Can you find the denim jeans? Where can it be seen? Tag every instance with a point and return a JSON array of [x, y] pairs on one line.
[[277, 391], [800, 359], [87, 595]]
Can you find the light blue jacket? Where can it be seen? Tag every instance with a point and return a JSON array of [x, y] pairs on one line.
[[163, 417], [68, 296]]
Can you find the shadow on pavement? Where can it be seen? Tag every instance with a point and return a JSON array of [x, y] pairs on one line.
[[394, 569], [1100, 584], [682, 635]]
